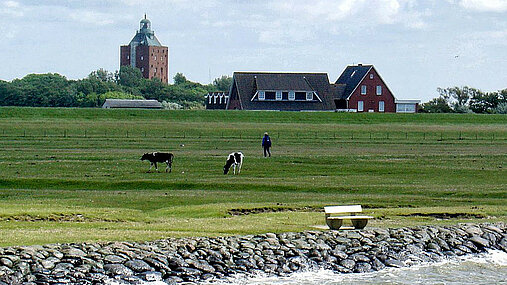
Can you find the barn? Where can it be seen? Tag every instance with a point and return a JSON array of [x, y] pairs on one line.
[[124, 103], [282, 92]]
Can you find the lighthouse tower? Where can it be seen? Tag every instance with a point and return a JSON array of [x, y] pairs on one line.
[[146, 53]]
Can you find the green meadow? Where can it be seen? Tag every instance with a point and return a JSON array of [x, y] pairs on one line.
[[74, 175]]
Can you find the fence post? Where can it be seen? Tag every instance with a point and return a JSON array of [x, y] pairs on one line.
[[85, 133], [424, 136], [127, 133], [64, 133], [370, 135], [387, 135], [24, 133], [144, 133], [460, 136], [406, 135], [441, 137]]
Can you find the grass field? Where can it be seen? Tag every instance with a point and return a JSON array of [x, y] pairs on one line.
[[69, 175]]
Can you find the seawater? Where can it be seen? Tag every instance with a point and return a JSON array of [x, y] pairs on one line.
[[490, 268]]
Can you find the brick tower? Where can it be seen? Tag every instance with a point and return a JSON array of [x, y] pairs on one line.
[[146, 53]]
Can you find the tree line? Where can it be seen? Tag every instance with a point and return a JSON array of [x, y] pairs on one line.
[[55, 90], [467, 100]]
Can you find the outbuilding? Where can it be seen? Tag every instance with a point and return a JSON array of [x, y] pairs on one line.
[[124, 103]]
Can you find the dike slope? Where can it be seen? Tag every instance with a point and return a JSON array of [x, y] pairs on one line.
[[196, 259]]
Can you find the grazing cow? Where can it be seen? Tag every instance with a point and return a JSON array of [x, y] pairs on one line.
[[234, 159], [154, 157]]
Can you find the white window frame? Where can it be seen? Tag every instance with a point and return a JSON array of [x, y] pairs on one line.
[[381, 106], [142, 69], [215, 99], [379, 89], [142, 58], [309, 96], [261, 96], [155, 57], [292, 95], [360, 106], [209, 99], [371, 76], [278, 96], [363, 89]]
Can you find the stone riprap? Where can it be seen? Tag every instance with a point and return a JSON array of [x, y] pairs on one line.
[[200, 258]]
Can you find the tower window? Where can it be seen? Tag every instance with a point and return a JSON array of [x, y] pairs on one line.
[[142, 57]]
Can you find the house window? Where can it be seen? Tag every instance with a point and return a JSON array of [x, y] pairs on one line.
[[261, 95], [300, 96], [363, 89], [155, 57], [142, 57], [309, 96], [379, 90], [371, 76], [381, 106], [292, 95], [278, 95], [270, 95], [360, 107], [285, 96]]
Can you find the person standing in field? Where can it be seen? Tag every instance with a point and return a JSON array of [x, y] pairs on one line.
[[266, 144]]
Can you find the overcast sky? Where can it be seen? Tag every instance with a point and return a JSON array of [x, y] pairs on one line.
[[416, 46]]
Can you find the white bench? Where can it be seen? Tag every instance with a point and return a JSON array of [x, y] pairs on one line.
[[334, 220]]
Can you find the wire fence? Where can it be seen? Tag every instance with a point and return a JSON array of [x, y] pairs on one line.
[[286, 135]]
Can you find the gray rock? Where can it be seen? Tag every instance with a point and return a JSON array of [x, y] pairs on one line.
[[111, 258], [348, 263], [138, 265], [362, 267], [394, 263], [479, 241], [118, 269], [73, 252]]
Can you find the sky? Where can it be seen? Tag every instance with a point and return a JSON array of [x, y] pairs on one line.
[[416, 46]]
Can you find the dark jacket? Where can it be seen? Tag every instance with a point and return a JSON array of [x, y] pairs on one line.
[[266, 141]]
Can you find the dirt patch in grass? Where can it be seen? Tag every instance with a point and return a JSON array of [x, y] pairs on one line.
[[240, 211], [55, 218], [446, 216]]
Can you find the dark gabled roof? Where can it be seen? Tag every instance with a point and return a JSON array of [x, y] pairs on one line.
[[247, 83], [351, 77], [124, 103], [282, 81]]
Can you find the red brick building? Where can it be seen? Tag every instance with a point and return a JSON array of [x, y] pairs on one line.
[[365, 91], [146, 53]]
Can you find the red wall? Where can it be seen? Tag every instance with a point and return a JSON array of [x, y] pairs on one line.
[[148, 63], [371, 99]]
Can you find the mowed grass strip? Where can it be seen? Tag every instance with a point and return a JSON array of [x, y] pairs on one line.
[[69, 175]]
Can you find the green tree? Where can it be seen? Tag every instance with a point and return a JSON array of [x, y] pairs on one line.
[[484, 102], [223, 83], [458, 97], [437, 105], [130, 76], [179, 78], [45, 90], [9, 95], [102, 75]]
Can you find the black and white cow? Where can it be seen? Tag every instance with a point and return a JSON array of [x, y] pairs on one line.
[[234, 159], [154, 157]]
